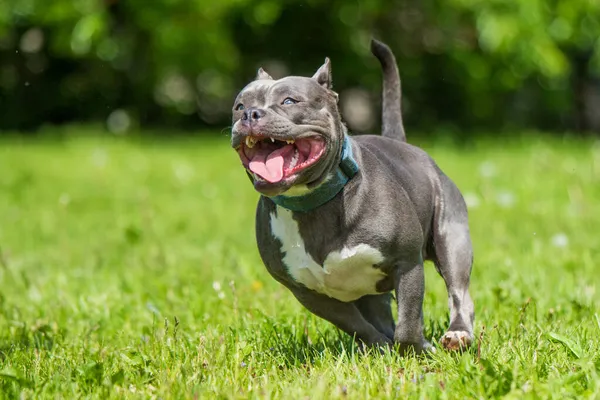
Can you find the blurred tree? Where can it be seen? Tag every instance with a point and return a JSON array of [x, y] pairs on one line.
[[466, 64], [557, 42]]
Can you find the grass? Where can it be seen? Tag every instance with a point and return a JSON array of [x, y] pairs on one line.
[[128, 269]]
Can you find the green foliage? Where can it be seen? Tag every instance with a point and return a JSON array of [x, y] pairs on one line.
[[128, 269], [465, 62], [537, 36]]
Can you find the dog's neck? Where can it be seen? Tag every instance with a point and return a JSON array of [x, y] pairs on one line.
[[344, 171]]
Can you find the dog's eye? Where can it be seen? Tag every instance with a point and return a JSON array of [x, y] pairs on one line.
[[289, 101], [239, 107]]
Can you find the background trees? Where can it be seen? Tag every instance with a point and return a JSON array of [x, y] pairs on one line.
[[465, 64]]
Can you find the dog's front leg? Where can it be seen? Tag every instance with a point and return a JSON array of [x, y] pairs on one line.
[[346, 316], [410, 290]]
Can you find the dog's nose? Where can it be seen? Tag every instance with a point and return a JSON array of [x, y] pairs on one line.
[[253, 114]]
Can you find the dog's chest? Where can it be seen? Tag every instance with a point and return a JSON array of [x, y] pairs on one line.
[[346, 274]]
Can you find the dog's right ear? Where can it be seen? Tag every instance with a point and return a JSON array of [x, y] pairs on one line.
[[323, 74], [262, 75]]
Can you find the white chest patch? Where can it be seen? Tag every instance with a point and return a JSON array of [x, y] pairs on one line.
[[346, 275]]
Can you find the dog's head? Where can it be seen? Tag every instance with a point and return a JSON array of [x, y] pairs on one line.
[[288, 132]]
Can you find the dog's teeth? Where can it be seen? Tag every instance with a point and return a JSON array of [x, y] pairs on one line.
[[290, 141], [294, 160], [258, 178], [272, 140], [250, 141]]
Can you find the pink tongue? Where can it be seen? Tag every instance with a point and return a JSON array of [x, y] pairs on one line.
[[269, 167]]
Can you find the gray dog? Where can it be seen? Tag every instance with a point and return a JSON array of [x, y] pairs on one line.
[[342, 221]]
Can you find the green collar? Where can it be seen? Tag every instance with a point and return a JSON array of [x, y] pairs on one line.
[[327, 190]]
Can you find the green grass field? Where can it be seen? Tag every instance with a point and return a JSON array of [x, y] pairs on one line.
[[129, 269]]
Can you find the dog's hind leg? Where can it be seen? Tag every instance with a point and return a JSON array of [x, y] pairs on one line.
[[377, 309], [454, 259], [346, 316]]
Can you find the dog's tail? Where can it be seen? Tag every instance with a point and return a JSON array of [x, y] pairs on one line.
[[391, 113]]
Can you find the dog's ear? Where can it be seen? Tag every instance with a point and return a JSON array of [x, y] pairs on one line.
[[335, 96], [323, 74], [262, 75]]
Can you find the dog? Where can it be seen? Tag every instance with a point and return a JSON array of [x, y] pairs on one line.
[[343, 221]]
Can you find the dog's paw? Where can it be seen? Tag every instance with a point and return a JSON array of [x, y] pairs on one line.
[[381, 344], [428, 348], [422, 348], [456, 340]]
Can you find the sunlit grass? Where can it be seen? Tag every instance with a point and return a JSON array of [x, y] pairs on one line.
[[128, 268]]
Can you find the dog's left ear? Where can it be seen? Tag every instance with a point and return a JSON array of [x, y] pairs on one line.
[[262, 75], [323, 74]]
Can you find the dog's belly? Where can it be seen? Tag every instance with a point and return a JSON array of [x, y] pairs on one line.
[[346, 275]]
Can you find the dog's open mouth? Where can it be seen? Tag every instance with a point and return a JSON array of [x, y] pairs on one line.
[[275, 160]]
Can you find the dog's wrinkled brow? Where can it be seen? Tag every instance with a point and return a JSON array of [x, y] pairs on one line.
[[255, 87], [256, 90], [279, 90]]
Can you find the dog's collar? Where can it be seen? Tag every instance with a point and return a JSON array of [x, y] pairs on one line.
[[346, 169]]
